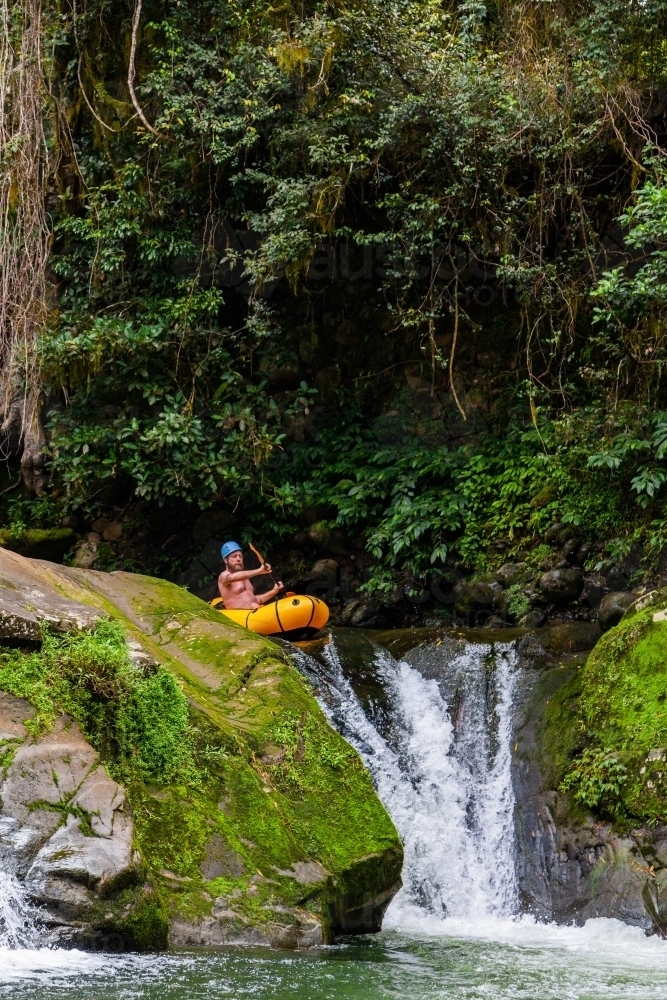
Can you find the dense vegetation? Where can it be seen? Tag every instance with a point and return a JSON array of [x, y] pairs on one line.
[[390, 270]]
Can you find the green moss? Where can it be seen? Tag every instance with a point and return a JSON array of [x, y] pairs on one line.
[[259, 780], [38, 543], [617, 730], [137, 916], [561, 735], [138, 719]]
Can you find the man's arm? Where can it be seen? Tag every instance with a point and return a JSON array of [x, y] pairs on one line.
[[241, 574], [263, 598]]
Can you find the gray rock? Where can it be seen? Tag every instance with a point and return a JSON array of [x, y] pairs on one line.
[[17, 623], [509, 573], [561, 586], [85, 554], [14, 713], [54, 779], [305, 872], [533, 619], [613, 607], [113, 531], [478, 595], [99, 863], [595, 588], [323, 568]]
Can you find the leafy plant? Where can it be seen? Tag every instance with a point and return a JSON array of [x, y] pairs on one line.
[[138, 719], [596, 779]]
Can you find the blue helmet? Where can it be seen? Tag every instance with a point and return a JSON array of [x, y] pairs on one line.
[[228, 548]]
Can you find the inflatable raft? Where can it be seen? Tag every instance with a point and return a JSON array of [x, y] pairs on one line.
[[298, 616]]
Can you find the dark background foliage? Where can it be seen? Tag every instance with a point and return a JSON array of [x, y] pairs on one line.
[[387, 274]]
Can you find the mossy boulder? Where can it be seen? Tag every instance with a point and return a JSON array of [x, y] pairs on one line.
[[267, 828], [39, 543]]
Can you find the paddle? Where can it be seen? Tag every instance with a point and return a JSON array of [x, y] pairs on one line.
[[262, 561]]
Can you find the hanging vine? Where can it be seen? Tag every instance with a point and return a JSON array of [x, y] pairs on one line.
[[24, 232]]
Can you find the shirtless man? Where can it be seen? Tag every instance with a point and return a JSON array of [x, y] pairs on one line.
[[234, 581]]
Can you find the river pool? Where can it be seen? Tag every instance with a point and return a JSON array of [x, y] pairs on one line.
[[495, 960]]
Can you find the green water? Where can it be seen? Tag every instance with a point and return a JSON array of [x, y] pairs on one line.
[[602, 962]]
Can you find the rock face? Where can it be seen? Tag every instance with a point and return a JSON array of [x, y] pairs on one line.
[[65, 825], [575, 865], [279, 839]]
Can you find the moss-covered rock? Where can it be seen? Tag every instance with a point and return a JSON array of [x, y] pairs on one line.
[[39, 543], [268, 830]]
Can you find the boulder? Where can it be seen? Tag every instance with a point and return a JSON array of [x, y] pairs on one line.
[[113, 531], [67, 829], [533, 619], [595, 588], [39, 543], [478, 595], [509, 573], [323, 568], [552, 533], [613, 606], [562, 586]]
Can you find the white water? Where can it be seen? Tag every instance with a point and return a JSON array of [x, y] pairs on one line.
[[17, 924], [446, 782]]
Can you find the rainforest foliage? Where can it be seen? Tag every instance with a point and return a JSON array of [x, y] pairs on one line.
[[398, 269]]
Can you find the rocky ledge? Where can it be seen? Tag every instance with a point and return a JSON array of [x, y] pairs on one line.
[[270, 833]]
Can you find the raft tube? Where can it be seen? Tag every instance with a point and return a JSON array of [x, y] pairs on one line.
[[297, 617]]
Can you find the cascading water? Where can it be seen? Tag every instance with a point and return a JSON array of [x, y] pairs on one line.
[[17, 923], [443, 770]]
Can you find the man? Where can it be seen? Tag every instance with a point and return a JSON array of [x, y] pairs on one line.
[[234, 581]]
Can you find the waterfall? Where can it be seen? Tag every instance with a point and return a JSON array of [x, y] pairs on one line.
[[440, 758], [17, 924]]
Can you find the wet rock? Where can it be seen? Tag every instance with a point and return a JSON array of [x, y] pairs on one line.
[[323, 568], [584, 554], [613, 606], [570, 637], [595, 588], [561, 586], [495, 621], [100, 863]]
